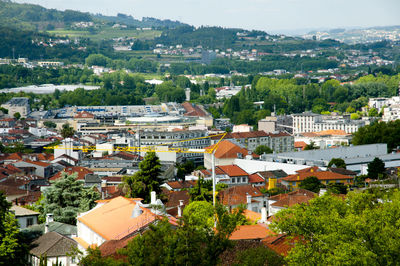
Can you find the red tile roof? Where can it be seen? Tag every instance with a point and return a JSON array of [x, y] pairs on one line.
[[238, 194], [321, 175], [255, 178], [281, 244], [251, 232], [193, 110], [227, 149], [84, 114], [181, 184], [81, 172], [232, 170]]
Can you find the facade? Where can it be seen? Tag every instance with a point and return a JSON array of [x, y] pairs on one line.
[[25, 216], [41, 169], [310, 122], [279, 142], [225, 154], [17, 105]]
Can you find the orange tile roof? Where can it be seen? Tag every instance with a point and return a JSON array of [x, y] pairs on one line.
[[113, 220], [81, 172], [291, 200], [255, 178], [232, 170], [39, 163], [84, 114], [281, 244], [335, 132], [252, 216], [247, 232], [321, 175], [309, 169], [300, 144], [227, 149], [238, 194]]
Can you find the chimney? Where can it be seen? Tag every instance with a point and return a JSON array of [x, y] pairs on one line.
[[49, 219], [153, 196], [137, 211], [180, 208], [248, 202], [263, 215]]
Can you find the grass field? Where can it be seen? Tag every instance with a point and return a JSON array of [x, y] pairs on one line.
[[108, 33]]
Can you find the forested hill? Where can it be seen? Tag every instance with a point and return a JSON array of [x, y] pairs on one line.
[[36, 17]]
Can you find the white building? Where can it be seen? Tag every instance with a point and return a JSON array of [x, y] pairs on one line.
[[25, 216], [17, 105]]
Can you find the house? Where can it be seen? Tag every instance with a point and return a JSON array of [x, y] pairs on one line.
[[179, 185], [42, 169], [225, 154], [25, 216], [114, 219], [55, 247], [80, 171], [251, 232], [176, 202], [280, 243], [246, 195], [52, 226], [231, 175], [283, 201], [326, 177]]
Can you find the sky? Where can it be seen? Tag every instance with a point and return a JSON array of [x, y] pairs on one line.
[[267, 15]]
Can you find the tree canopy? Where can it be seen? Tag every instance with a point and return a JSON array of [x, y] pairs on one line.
[[376, 169], [261, 149], [66, 197], [147, 179], [337, 162], [360, 230], [311, 183]]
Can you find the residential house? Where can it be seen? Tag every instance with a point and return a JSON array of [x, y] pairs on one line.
[[246, 195], [25, 216], [251, 232], [231, 175], [283, 201], [41, 169], [179, 185], [115, 219], [226, 153], [326, 177], [80, 171], [55, 247]]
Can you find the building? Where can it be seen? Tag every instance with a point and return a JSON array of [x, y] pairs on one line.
[[17, 105], [326, 177], [324, 139], [55, 247], [284, 201], [232, 175], [225, 154], [25, 217], [246, 194], [310, 122], [242, 128], [114, 219], [278, 142], [38, 168]]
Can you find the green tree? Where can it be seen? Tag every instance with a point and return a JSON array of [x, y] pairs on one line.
[[261, 149], [373, 112], [357, 231], [337, 188], [67, 131], [12, 250], [66, 197], [17, 115], [260, 255], [193, 242], [376, 168], [145, 180], [311, 146], [311, 183], [202, 191], [337, 162], [97, 60], [49, 124]]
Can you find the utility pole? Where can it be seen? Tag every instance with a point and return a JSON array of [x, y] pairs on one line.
[[213, 174]]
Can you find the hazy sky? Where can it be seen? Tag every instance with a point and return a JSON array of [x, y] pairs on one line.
[[268, 15]]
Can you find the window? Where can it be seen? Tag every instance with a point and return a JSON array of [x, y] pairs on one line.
[[243, 179], [233, 180], [29, 221]]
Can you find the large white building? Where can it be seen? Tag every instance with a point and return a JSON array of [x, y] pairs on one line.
[[17, 105], [310, 122]]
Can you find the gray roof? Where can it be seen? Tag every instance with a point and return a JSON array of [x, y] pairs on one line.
[[61, 228], [92, 178], [20, 211], [52, 244]]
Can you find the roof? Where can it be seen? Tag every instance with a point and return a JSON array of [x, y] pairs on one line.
[[113, 219], [300, 145], [247, 232], [299, 191], [193, 110], [175, 196], [232, 170], [20, 211], [238, 194], [181, 184], [84, 114], [342, 171], [53, 244], [38, 163], [61, 228], [227, 149], [81, 172], [334, 132], [252, 216], [256, 178], [280, 243], [109, 247], [12, 191], [321, 175]]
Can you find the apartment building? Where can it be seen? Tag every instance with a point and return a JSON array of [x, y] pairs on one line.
[[17, 105]]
